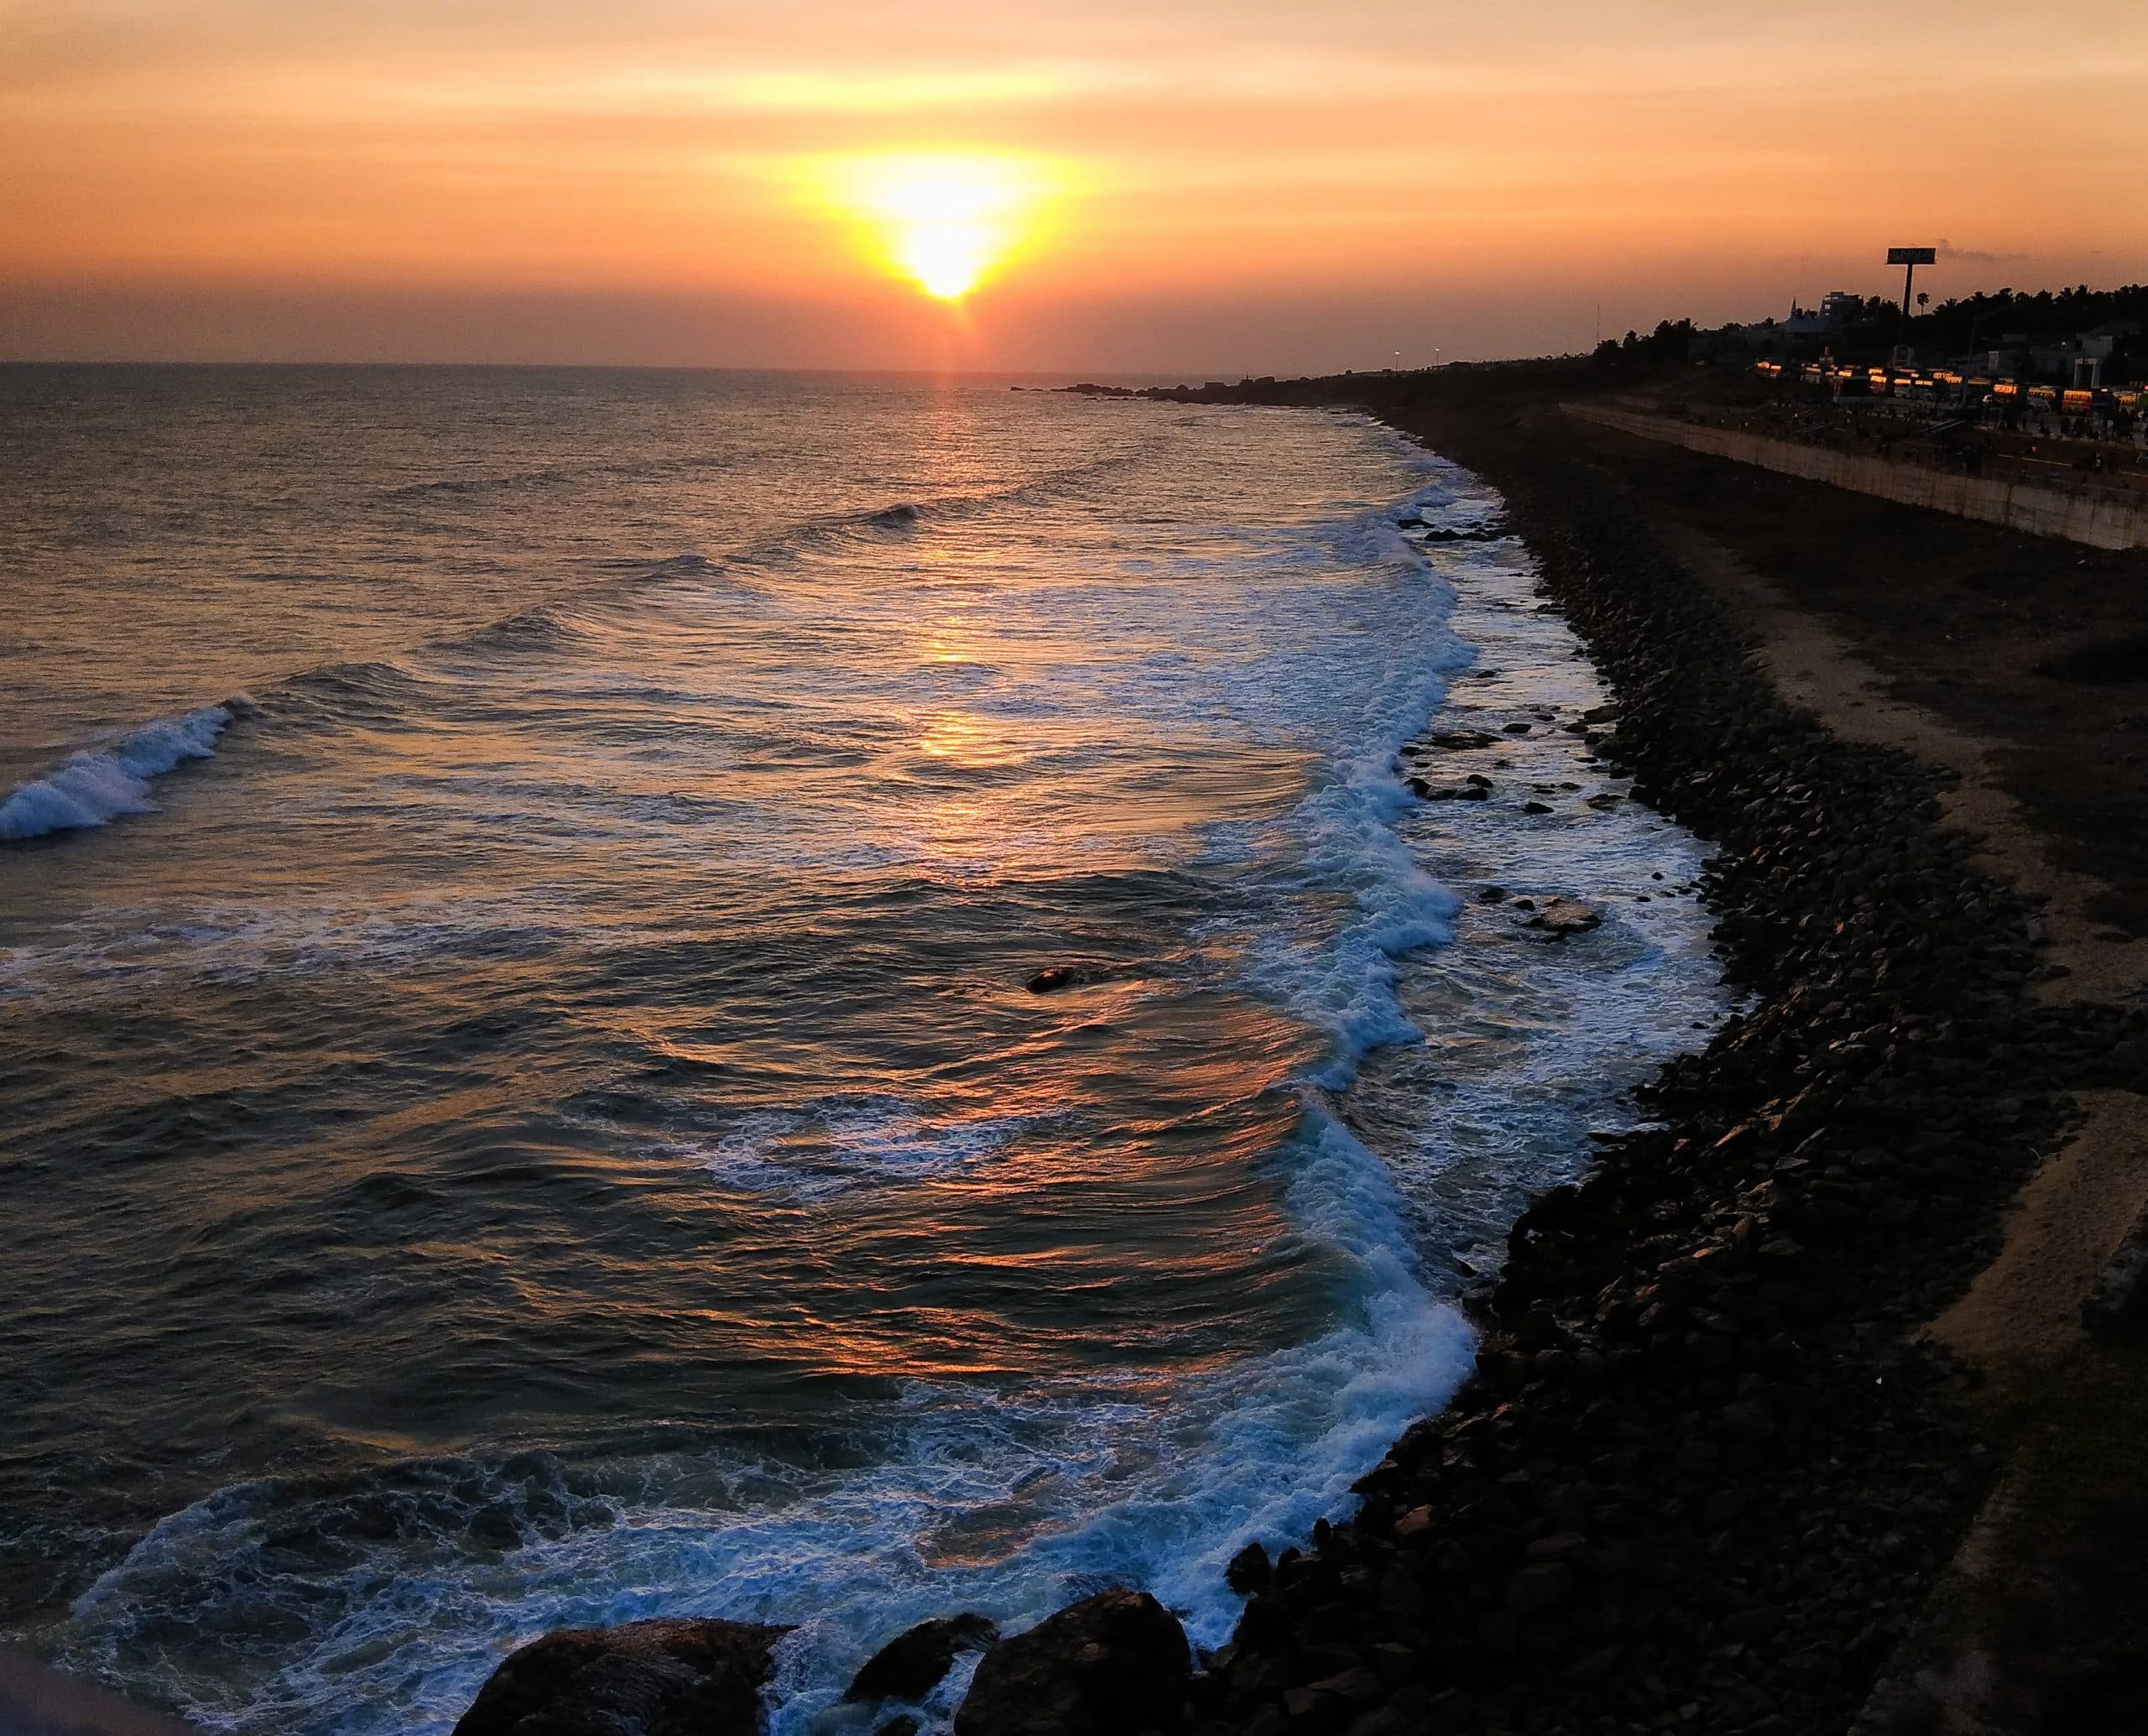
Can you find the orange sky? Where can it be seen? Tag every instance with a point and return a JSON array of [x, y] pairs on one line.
[[1207, 186]]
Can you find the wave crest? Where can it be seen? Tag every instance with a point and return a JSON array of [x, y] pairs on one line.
[[97, 785]]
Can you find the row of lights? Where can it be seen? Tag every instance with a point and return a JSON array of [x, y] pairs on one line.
[[1885, 380]]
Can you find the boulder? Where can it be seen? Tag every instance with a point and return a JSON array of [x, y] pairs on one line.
[[682, 1678], [1566, 916], [911, 1666], [1115, 1662], [1249, 1571]]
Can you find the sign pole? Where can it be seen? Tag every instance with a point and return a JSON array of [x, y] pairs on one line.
[[1909, 259]]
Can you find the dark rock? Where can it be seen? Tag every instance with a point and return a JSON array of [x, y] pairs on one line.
[[911, 1665], [1058, 975], [1535, 807], [2120, 1302], [1117, 1662], [654, 1678], [1249, 1571], [1540, 1587], [1462, 740]]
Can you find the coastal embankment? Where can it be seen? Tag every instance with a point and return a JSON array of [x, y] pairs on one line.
[[2099, 518], [1786, 1418]]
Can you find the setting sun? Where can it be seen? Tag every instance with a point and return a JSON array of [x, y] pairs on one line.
[[944, 220]]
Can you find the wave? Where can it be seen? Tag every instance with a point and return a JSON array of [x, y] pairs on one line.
[[99, 784], [95, 786], [408, 1579]]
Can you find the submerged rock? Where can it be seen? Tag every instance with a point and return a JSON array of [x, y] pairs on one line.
[[1116, 1662], [654, 1678], [1054, 978], [911, 1665]]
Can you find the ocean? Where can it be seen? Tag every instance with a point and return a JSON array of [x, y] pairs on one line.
[[530, 1099]]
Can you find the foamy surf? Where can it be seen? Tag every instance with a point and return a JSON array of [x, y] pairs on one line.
[[97, 785], [411, 1581]]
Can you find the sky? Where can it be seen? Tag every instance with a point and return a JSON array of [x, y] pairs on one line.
[[1173, 187]]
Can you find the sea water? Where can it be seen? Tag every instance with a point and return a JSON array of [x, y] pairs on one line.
[[519, 897]]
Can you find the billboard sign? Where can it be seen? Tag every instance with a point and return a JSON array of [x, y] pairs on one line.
[[1912, 256]]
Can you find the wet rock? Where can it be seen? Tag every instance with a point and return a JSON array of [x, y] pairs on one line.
[[653, 1678], [911, 1665], [1462, 740], [1566, 916], [1057, 976], [1535, 807], [1249, 1571], [1118, 1661]]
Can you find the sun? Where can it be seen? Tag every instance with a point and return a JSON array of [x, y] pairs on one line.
[[944, 220]]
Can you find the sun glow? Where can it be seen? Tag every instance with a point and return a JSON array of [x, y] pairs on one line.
[[944, 220]]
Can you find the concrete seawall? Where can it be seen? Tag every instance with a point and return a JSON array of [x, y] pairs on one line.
[[2101, 520]]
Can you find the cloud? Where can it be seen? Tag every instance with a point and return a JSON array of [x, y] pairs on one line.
[[1978, 256]]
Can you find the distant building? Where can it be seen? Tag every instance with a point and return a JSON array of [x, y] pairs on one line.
[[2079, 360], [1837, 308]]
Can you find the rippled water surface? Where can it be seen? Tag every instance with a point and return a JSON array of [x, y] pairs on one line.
[[524, 1104]]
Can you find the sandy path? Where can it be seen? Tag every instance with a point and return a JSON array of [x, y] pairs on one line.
[[2024, 1311]]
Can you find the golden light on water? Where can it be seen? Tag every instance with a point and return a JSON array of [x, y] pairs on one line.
[[944, 220]]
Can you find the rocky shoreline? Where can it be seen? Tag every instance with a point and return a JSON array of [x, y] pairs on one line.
[[1706, 1472]]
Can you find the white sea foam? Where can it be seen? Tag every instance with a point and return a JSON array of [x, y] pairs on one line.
[[98, 785], [827, 1150]]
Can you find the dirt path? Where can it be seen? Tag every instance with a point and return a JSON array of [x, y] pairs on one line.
[[2004, 1643]]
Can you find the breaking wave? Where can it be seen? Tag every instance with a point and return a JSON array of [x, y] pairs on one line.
[[99, 784]]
